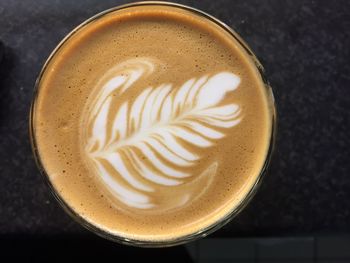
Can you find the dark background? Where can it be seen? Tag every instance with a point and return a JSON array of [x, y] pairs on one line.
[[304, 47]]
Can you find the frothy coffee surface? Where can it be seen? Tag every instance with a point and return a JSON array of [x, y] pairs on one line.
[[152, 122]]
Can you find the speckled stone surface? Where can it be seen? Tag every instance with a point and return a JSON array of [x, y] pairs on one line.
[[304, 46]]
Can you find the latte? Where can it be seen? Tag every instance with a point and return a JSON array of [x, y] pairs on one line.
[[152, 122]]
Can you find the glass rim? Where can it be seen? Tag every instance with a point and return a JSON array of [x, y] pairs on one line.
[[214, 225]]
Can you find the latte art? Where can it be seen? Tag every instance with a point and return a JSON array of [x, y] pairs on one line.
[[152, 123], [134, 146]]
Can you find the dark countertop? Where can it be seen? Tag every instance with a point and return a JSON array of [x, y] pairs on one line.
[[304, 46]]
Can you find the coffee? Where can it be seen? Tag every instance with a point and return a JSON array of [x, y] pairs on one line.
[[152, 122]]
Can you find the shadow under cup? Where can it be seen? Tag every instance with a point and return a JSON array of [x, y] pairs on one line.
[[183, 239]]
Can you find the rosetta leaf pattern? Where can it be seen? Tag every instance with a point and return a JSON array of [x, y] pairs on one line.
[[147, 141]]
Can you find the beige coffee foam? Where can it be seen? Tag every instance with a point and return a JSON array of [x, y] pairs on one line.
[[189, 46]]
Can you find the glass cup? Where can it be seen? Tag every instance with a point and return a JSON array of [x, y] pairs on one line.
[[205, 231]]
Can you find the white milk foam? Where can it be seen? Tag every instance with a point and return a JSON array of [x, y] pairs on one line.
[[158, 123]]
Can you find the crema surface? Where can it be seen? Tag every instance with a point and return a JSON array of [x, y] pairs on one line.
[[152, 122]]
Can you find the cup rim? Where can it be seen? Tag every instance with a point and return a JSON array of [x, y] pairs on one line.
[[182, 239]]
